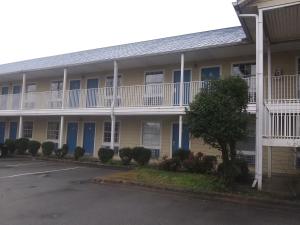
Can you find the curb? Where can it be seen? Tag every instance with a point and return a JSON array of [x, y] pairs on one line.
[[234, 198], [88, 164]]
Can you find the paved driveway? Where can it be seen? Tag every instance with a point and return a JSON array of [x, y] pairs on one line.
[[48, 193]]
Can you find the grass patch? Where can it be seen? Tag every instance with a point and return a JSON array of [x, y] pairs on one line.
[[194, 182]]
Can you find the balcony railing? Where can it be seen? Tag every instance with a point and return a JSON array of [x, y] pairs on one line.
[[154, 95]]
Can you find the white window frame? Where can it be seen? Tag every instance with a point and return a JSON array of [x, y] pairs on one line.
[[52, 139], [160, 134], [107, 144], [243, 62], [31, 129]]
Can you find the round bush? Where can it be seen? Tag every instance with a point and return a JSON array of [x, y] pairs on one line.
[[62, 152], [22, 145], [126, 155], [141, 155], [78, 152], [33, 147], [48, 148], [3, 151], [11, 145], [182, 154], [105, 154]]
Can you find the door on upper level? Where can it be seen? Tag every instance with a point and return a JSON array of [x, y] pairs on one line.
[[109, 84], [31, 98], [92, 93], [55, 101], [16, 97], [4, 96], [74, 94], [186, 87]]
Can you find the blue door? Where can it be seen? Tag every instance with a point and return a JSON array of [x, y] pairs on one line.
[[2, 132], [72, 130], [4, 93], [92, 93], [175, 137], [186, 88], [210, 73], [74, 94], [13, 127], [16, 97], [88, 138]]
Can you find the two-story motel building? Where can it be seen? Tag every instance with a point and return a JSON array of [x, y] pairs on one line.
[[136, 94]]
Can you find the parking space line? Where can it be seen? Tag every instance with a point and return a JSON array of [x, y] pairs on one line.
[[40, 172]]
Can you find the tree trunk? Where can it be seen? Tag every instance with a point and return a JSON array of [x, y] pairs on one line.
[[232, 151]]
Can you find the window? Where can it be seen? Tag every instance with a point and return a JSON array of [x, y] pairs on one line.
[[244, 69], [31, 88], [154, 77], [246, 148], [27, 129], [109, 82], [53, 131], [210, 73], [107, 132], [56, 85], [151, 135]]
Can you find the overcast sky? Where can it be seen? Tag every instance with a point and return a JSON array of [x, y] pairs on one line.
[[37, 28]]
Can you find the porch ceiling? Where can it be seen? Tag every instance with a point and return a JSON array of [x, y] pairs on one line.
[[283, 24]]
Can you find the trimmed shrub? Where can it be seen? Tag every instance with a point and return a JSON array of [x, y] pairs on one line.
[[172, 164], [62, 152], [3, 151], [33, 147], [199, 163], [11, 146], [209, 163], [182, 154], [244, 175], [141, 155], [78, 152], [126, 155], [105, 154], [22, 145], [47, 148]]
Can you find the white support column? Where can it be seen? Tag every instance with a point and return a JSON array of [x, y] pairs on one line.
[[181, 80], [113, 118], [260, 88], [20, 130], [61, 131], [180, 132], [64, 88]]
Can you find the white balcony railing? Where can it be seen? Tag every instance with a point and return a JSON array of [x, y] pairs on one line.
[[154, 95]]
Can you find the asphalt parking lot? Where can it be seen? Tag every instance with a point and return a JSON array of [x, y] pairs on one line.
[[51, 193]]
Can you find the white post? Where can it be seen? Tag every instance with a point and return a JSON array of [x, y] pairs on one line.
[[269, 73], [181, 93], [113, 118], [260, 78], [20, 131], [61, 132], [180, 132], [181, 80], [64, 89], [23, 91]]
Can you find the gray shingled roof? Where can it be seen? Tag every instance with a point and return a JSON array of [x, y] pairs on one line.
[[214, 38]]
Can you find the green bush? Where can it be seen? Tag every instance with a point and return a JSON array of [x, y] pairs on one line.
[[47, 148], [22, 145], [78, 152], [234, 171], [172, 164], [199, 163], [126, 155], [11, 145], [141, 155], [3, 151], [209, 162], [182, 154], [105, 154], [62, 152], [33, 147]]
